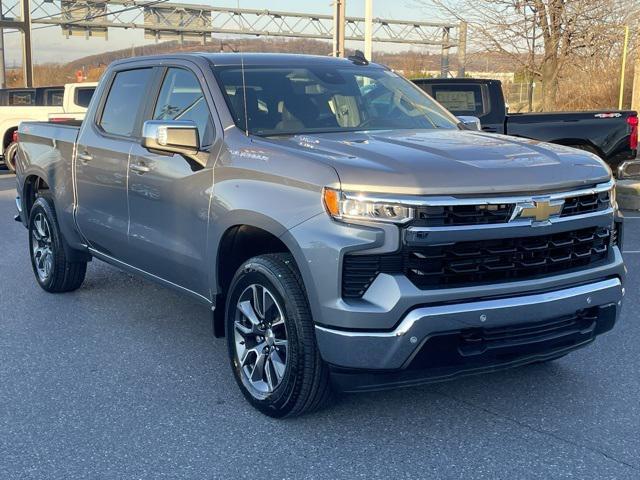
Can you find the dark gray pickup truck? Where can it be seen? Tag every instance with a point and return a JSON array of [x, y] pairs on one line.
[[610, 134], [347, 232]]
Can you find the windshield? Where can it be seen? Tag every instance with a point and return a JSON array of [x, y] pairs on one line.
[[290, 101]]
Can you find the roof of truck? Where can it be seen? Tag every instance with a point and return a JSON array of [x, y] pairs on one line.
[[252, 58]]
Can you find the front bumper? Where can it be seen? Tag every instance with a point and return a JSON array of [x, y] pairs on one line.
[[555, 322]]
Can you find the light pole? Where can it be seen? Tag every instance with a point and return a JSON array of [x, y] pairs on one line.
[[368, 29]]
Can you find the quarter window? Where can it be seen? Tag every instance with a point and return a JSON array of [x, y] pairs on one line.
[[181, 98], [123, 103]]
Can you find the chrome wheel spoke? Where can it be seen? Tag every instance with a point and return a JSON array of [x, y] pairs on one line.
[[269, 374], [278, 321], [242, 330], [260, 340], [249, 313], [258, 298], [257, 373], [279, 343], [278, 365], [39, 224]]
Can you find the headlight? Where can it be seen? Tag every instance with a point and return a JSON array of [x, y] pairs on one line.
[[351, 206]]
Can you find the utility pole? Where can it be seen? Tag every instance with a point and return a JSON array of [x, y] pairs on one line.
[[623, 68], [444, 55], [24, 26], [3, 80], [462, 49], [368, 29], [635, 101], [339, 24]]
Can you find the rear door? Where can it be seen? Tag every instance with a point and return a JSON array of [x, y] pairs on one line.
[[169, 193], [103, 159]]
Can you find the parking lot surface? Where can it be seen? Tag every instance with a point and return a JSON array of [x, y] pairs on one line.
[[123, 379]]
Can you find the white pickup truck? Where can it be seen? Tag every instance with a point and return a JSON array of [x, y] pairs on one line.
[[73, 107]]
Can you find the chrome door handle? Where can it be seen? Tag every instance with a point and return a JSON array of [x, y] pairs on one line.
[[139, 168], [85, 157]]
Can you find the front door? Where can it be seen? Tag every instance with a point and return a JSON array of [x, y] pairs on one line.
[[102, 163], [169, 194]]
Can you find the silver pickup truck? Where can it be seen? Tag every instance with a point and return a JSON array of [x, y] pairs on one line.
[[348, 232]]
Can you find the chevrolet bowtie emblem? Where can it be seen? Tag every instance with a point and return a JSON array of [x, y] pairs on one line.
[[538, 210]]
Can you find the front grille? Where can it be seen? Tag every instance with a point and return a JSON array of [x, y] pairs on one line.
[[478, 262], [483, 214], [595, 202], [452, 215]]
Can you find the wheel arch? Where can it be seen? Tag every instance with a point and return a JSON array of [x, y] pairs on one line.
[[7, 137], [580, 143], [237, 243]]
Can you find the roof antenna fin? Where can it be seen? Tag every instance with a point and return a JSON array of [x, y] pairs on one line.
[[358, 58]]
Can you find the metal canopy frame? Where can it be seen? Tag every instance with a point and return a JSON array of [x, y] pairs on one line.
[[161, 19]]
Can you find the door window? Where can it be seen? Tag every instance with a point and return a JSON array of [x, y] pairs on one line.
[[83, 96], [181, 98], [123, 103]]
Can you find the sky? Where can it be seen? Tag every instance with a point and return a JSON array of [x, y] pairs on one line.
[[49, 45]]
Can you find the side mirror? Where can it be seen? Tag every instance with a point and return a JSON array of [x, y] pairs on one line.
[[171, 136], [472, 123]]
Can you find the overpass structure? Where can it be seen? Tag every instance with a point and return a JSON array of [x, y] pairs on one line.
[[165, 20]]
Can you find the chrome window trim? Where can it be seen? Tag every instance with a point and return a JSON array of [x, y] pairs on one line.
[[444, 201]]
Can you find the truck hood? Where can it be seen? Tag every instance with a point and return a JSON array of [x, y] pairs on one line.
[[449, 162]]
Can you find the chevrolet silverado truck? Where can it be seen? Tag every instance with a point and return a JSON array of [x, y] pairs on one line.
[[610, 134], [348, 233], [43, 103]]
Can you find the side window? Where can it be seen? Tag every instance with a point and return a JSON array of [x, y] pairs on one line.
[[124, 101], [83, 96], [181, 98], [461, 99], [54, 97]]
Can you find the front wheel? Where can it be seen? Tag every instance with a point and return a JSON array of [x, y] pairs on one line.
[[53, 270], [271, 339]]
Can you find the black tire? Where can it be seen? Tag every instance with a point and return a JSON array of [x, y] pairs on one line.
[[10, 156], [53, 271], [304, 386]]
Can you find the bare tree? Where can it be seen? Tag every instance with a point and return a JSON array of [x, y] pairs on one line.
[[543, 37]]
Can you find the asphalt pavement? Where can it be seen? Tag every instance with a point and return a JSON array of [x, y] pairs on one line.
[[123, 379]]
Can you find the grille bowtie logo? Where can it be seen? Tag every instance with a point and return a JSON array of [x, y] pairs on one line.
[[538, 210]]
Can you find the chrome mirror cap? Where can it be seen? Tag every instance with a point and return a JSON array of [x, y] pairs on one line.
[[171, 136], [472, 123]]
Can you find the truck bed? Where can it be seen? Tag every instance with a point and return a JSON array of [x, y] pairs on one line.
[[49, 146]]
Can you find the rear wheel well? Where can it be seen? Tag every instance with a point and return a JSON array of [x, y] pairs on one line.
[[34, 186], [239, 243], [8, 138]]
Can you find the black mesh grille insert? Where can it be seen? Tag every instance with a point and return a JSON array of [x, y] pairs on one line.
[[485, 261], [585, 204], [452, 215]]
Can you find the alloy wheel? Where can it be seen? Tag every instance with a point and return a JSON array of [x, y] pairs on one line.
[[42, 246], [260, 336]]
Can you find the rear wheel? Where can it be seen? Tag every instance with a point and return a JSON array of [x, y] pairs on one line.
[[271, 339], [10, 156], [53, 271]]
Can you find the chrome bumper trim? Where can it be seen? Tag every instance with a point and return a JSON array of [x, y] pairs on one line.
[[484, 305]]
